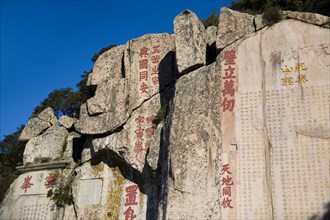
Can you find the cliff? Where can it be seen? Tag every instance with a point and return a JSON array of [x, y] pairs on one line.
[[218, 123]]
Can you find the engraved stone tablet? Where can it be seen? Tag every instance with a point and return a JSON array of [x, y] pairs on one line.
[[90, 191]]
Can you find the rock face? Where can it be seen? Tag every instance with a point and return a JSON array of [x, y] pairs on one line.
[[242, 134], [233, 26], [189, 41], [49, 145]]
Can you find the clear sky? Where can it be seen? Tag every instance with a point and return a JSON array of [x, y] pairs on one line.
[[47, 45]]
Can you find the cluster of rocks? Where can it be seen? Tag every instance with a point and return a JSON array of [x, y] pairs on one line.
[[199, 124]]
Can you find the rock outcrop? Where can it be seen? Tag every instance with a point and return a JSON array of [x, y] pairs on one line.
[[179, 130]]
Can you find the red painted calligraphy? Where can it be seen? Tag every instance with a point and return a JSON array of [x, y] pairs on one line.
[[228, 81], [143, 64], [143, 52], [139, 132], [229, 57], [50, 181], [131, 192], [226, 191], [226, 203], [156, 49], [131, 195], [227, 181], [26, 184], [143, 75], [228, 104], [139, 120], [144, 88], [154, 70], [129, 214], [149, 131], [155, 58], [138, 147], [225, 169], [150, 119]]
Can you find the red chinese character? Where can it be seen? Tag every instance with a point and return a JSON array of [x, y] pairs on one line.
[[151, 118], [143, 75], [149, 131], [226, 191], [228, 181], [131, 195], [154, 70], [156, 49], [138, 147], [155, 80], [144, 88], [225, 169], [228, 104], [226, 203], [27, 183], [229, 73], [143, 64], [143, 52], [147, 145], [155, 59], [228, 88], [50, 181], [129, 214], [139, 132], [230, 57], [139, 120]]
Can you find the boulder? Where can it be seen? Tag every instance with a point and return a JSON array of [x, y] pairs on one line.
[[211, 35], [48, 115], [67, 121], [307, 17], [194, 147], [233, 25], [190, 41], [46, 147], [108, 66], [33, 128]]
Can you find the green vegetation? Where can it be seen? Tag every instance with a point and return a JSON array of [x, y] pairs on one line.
[[260, 6], [161, 114], [11, 155], [102, 50], [62, 194], [211, 20]]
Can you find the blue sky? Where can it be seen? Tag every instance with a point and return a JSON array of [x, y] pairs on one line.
[[47, 45]]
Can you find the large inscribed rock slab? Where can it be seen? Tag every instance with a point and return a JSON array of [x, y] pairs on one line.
[[275, 123]]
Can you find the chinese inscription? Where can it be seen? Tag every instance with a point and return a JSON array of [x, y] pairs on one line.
[[228, 89], [143, 134], [130, 201], [144, 64], [26, 184], [226, 183], [301, 78]]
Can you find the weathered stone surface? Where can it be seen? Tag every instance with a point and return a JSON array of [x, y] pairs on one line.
[[279, 89], [71, 142], [139, 136], [194, 147], [48, 115], [48, 145], [67, 121], [33, 128], [101, 190], [31, 201], [211, 35], [108, 66], [307, 17], [111, 104], [149, 66], [233, 25], [190, 41]]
